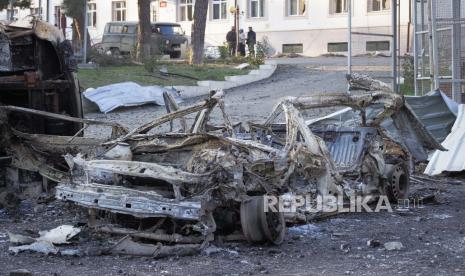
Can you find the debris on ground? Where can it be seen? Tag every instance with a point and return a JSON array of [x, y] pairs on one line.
[[394, 245], [43, 247], [20, 239], [126, 94], [242, 66], [212, 249], [373, 243], [46, 242], [127, 246], [60, 235], [20, 272]]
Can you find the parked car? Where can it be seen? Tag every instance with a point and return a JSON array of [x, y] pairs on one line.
[[121, 37]]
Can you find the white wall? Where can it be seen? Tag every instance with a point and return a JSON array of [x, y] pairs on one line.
[[23, 13], [314, 30]]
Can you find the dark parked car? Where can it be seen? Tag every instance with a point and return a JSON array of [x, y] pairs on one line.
[[121, 37]]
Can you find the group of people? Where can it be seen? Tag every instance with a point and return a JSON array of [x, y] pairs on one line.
[[250, 40]]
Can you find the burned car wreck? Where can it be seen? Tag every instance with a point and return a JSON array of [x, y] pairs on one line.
[[36, 72], [207, 182]]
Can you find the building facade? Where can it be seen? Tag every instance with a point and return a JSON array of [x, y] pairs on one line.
[[308, 27]]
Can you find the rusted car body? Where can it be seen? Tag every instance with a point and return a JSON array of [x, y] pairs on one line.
[[36, 71], [206, 182]]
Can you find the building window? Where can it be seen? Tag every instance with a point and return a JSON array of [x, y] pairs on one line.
[[379, 5], [35, 11], [220, 9], [92, 15], [15, 14], [293, 48], [378, 46], [154, 11], [186, 10], [256, 8], [337, 47], [118, 11], [337, 6], [296, 7]]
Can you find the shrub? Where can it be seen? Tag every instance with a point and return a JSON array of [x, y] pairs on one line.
[[408, 73], [224, 51]]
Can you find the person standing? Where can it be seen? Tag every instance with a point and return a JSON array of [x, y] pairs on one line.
[[251, 41], [242, 41], [231, 39]]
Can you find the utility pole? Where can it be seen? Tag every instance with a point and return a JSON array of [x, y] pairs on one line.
[[47, 9], [456, 51], [349, 44], [84, 46], [433, 42], [236, 24], [40, 9], [11, 10], [394, 46]]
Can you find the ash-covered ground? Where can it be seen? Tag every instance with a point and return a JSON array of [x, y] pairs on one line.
[[432, 235]]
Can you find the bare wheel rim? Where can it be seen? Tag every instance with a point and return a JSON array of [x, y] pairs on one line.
[[399, 182], [259, 226]]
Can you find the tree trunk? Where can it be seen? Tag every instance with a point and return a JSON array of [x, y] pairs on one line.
[[198, 30], [145, 30]]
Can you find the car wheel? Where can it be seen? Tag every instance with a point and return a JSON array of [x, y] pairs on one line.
[[397, 183], [259, 226], [176, 54]]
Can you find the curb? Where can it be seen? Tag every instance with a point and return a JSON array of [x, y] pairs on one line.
[[204, 87]]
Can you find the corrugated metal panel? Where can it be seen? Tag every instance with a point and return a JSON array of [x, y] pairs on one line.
[[404, 127], [346, 144], [436, 111], [452, 160]]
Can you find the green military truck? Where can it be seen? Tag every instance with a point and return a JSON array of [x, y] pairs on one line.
[[120, 38]]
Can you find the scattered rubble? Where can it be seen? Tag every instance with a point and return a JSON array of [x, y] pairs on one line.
[[20, 272], [390, 246], [43, 247], [20, 239], [373, 243], [46, 242], [60, 235]]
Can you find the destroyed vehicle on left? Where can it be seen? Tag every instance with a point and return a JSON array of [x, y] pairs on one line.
[[36, 71]]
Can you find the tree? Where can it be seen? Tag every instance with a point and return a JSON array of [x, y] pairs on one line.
[[5, 4], [145, 30], [198, 30], [75, 9]]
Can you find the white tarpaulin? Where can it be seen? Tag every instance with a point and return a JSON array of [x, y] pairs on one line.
[[116, 95], [452, 160]]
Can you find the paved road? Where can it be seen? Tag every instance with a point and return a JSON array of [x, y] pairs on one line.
[[294, 77]]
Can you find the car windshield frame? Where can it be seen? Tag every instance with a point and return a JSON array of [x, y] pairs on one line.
[[167, 29]]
